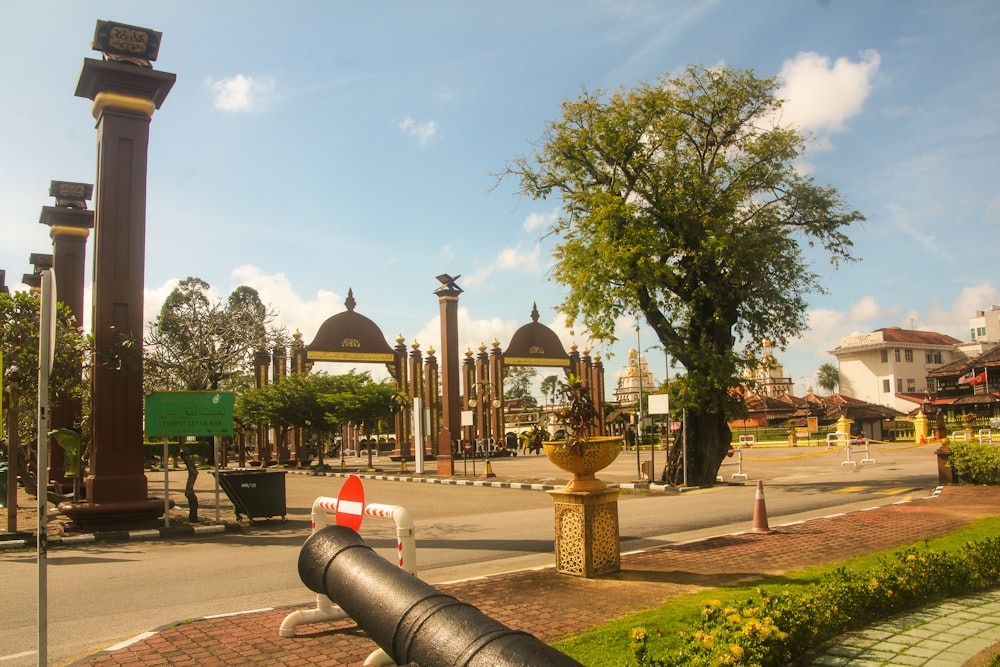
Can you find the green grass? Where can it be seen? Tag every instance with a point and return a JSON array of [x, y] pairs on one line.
[[609, 645]]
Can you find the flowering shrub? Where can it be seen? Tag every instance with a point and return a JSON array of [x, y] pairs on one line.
[[975, 462], [776, 625]]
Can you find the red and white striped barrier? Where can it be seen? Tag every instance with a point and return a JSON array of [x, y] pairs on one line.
[[406, 551]]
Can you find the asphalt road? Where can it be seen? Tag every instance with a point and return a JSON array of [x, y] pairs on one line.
[[102, 594]]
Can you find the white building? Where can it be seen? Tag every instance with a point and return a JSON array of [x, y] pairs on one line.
[[636, 375], [984, 326], [889, 366], [767, 377]]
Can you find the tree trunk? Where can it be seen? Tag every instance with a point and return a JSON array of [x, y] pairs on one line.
[[189, 493], [708, 439]]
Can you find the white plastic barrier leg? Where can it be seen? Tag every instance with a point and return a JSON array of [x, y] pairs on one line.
[[739, 474], [406, 549], [860, 445]]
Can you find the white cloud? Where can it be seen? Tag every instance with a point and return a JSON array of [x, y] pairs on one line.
[[293, 310], [519, 258], [536, 221], [424, 132], [821, 96], [242, 93], [954, 320]]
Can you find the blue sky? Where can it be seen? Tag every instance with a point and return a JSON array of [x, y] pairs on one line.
[[312, 147]]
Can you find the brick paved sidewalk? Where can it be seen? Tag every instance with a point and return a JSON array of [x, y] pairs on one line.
[[526, 600]]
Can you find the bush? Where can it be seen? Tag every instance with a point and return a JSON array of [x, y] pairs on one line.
[[153, 451], [975, 462], [779, 624]]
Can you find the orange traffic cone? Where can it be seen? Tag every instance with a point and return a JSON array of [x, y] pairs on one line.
[[760, 511]]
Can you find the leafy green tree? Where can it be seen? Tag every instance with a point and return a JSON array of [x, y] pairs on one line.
[[682, 203], [197, 343], [828, 377], [517, 384], [19, 322], [320, 403]]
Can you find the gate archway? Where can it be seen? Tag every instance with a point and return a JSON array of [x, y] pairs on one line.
[[351, 337], [532, 345]]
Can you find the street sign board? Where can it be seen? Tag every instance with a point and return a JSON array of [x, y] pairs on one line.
[[351, 503], [179, 413]]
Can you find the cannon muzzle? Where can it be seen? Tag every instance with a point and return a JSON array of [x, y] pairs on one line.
[[409, 619]]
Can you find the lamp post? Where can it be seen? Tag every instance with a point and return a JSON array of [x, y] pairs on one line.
[[484, 391], [638, 421]]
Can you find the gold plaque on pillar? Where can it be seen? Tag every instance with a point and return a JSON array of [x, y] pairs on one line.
[[71, 195], [127, 43]]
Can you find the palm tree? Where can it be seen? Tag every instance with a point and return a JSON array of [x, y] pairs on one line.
[[550, 386], [828, 377]]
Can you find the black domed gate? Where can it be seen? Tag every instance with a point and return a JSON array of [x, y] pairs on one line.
[[532, 345], [351, 337]]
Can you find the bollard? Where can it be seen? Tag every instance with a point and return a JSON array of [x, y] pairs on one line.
[[409, 619]]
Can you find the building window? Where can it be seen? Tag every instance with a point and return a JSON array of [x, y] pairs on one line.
[[931, 384], [897, 355], [899, 385], [937, 357], [885, 356], [981, 332], [885, 386], [930, 357], [911, 385], [908, 355]]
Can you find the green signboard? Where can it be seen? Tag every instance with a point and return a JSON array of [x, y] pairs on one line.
[[178, 413]]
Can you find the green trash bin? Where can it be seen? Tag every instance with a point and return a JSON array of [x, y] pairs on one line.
[[255, 493]]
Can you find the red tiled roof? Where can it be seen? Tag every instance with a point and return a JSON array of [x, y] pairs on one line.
[[897, 335]]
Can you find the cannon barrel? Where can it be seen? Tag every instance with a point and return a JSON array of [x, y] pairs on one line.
[[409, 619]]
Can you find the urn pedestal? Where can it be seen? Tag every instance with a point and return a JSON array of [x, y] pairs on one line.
[[586, 510], [586, 531]]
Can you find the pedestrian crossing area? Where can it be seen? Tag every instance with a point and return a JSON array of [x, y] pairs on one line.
[[878, 490]]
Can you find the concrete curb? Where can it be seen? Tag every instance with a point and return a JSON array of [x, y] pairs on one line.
[[26, 540]]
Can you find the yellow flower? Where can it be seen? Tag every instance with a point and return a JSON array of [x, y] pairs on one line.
[[638, 634], [736, 650], [911, 557]]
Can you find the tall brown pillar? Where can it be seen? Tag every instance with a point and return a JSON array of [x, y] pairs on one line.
[[431, 403], [125, 91], [447, 295], [261, 377], [279, 370], [70, 223]]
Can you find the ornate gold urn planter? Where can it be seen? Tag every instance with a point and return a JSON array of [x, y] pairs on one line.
[[586, 510], [584, 459]]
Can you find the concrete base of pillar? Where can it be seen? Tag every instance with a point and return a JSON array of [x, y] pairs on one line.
[[130, 514], [586, 532]]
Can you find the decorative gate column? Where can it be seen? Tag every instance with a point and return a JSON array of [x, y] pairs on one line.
[[70, 224], [126, 91]]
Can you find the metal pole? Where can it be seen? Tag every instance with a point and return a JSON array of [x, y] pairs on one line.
[[166, 483], [638, 434], [638, 421], [684, 439], [666, 443], [45, 347]]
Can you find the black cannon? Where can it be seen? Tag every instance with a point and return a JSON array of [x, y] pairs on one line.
[[409, 619]]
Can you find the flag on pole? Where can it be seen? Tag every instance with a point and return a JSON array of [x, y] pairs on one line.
[[979, 379], [968, 377]]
